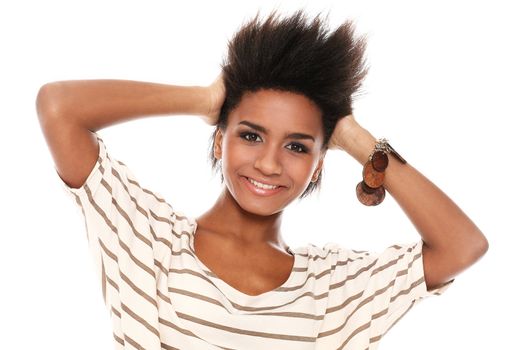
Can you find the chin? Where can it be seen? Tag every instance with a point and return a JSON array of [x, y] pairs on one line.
[[258, 210], [257, 205]]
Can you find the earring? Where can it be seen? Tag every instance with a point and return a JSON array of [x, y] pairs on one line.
[[316, 175]]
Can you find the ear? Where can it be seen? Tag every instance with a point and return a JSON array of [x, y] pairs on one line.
[[217, 144], [318, 169]]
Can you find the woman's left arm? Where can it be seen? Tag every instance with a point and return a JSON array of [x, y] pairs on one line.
[[452, 242]]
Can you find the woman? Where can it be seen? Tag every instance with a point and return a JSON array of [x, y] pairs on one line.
[[227, 279]]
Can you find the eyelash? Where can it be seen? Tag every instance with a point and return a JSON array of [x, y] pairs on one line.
[[304, 149]]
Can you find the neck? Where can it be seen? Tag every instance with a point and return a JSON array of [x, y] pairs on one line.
[[226, 218]]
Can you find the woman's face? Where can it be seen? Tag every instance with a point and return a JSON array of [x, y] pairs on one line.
[[275, 138]]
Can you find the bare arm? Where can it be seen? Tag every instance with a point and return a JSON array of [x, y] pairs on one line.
[[452, 242], [96, 104], [70, 111]]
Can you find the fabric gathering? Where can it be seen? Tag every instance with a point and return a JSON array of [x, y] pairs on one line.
[[159, 295]]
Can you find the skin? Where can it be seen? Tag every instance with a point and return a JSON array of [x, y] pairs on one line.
[[451, 241], [239, 237]]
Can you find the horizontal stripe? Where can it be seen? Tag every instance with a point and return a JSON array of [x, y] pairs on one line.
[[335, 297], [245, 331]]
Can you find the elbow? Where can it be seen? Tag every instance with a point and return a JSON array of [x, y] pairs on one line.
[[484, 245], [47, 100], [479, 248]]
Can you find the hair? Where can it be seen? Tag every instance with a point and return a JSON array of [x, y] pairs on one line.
[[293, 54]]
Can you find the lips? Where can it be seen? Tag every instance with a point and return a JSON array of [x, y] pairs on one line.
[[262, 182], [259, 190]]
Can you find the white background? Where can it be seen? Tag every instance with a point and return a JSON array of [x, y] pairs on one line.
[[445, 87]]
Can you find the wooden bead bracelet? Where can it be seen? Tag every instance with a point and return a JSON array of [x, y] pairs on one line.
[[370, 191]]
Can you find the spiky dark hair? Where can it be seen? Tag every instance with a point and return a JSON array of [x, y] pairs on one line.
[[294, 54]]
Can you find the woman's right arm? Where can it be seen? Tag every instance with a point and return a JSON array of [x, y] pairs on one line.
[[70, 111]]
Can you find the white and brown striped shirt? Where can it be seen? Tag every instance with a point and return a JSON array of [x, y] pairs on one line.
[[161, 296]]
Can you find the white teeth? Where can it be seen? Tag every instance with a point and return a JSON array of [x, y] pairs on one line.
[[263, 186]]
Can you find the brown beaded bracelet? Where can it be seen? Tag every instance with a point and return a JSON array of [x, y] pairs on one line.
[[370, 191]]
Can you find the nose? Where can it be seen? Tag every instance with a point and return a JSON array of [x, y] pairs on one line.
[[268, 162]]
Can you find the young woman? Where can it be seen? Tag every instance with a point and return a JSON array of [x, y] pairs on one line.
[[227, 279]]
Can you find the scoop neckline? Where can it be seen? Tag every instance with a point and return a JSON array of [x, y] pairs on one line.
[[229, 290]]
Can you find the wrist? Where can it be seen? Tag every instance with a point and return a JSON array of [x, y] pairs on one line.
[[191, 100], [203, 100], [357, 142]]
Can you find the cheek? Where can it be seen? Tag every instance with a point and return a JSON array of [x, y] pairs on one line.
[[236, 157], [235, 153], [300, 171]]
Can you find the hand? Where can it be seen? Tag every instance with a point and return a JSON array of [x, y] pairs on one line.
[[342, 129], [216, 93]]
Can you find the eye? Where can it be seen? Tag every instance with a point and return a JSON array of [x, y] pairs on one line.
[[249, 136], [253, 137], [299, 148]]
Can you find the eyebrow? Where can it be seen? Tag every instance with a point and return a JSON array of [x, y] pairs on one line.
[[294, 135]]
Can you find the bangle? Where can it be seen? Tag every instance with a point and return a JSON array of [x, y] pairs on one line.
[[371, 191]]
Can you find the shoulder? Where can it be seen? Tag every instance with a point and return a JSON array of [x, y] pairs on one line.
[[332, 256]]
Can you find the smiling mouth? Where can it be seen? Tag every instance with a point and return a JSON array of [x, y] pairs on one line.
[[261, 189], [262, 185]]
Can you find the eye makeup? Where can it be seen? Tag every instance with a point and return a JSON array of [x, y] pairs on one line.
[[296, 146]]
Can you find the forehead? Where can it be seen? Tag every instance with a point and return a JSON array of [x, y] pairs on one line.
[[279, 110]]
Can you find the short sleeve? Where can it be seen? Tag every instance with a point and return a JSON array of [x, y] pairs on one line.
[[129, 228], [94, 178], [398, 281]]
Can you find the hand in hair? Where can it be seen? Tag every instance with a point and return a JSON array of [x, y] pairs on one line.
[[343, 128], [216, 93], [352, 138]]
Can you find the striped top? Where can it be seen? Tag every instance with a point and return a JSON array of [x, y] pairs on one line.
[[161, 296]]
